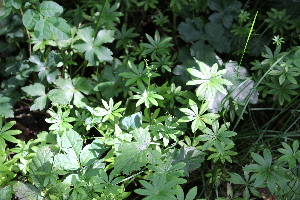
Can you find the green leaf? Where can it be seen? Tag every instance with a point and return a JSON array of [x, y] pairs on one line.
[[215, 36], [16, 3], [5, 107], [236, 179], [42, 162], [290, 154], [159, 189], [66, 162], [191, 30], [188, 155], [30, 18], [7, 134], [92, 152], [6, 193], [50, 9], [227, 10], [6, 9], [132, 122], [210, 80], [92, 47], [71, 143], [37, 89], [191, 194], [26, 191], [47, 70], [135, 155], [45, 29], [58, 96]]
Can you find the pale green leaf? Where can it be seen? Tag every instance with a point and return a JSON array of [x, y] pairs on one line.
[[39, 103], [5, 107], [36, 89], [53, 26], [66, 162], [30, 18], [59, 96], [26, 191], [50, 9], [104, 36], [42, 162], [71, 143]]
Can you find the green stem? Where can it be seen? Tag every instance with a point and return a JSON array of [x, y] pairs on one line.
[[249, 35], [99, 19], [79, 68]]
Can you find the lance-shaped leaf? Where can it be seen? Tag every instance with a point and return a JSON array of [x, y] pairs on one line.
[[210, 80], [92, 46], [197, 115]]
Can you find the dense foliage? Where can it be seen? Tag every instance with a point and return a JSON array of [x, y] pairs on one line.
[[148, 99]]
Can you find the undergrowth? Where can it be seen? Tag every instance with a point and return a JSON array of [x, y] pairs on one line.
[[141, 99]]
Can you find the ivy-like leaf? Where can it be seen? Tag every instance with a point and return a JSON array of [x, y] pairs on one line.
[[93, 46], [191, 30], [46, 68], [71, 143], [132, 122]]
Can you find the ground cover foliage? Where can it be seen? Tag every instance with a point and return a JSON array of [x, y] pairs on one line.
[[148, 99]]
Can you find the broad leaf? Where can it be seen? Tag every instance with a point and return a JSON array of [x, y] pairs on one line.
[[45, 29], [71, 143], [37, 89], [26, 191], [92, 46], [30, 18], [41, 163], [188, 155], [132, 122], [50, 9], [159, 189], [135, 155], [66, 162], [5, 107], [6, 193], [92, 152]]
